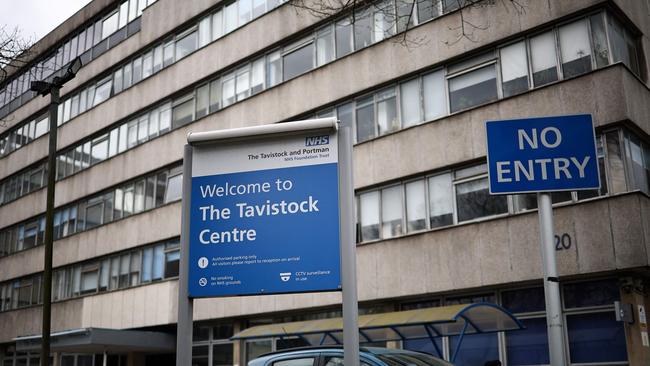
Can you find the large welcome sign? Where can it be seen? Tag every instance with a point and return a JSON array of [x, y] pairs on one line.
[[264, 215]]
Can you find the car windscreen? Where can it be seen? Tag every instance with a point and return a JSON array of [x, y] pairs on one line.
[[410, 359]]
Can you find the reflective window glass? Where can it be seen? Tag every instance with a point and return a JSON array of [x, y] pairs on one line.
[[147, 264], [596, 337], [204, 31], [182, 113], [143, 128], [99, 150], [440, 201], [524, 300], [514, 69], [543, 58], [124, 13], [416, 216], [168, 54], [242, 83], [227, 90], [343, 37], [473, 200], [165, 118], [117, 81], [575, 48], [259, 8], [433, 90], [594, 293], [324, 45], [230, 13], [245, 11], [362, 29], [109, 25], [405, 16], [102, 92], [369, 215], [599, 39], [138, 196], [365, 119], [384, 20], [127, 75], [473, 88], [157, 58], [387, 119], [410, 102], [257, 76], [528, 346], [147, 65], [476, 349], [391, 211], [94, 212], [217, 25], [274, 73], [137, 70], [174, 188], [298, 61]]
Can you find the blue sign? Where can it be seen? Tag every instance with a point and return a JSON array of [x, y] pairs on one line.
[[268, 221], [542, 154]]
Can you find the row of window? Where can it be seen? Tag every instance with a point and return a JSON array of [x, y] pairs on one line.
[[382, 106], [117, 271], [116, 141], [427, 97], [334, 40], [13, 358], [88, 153], [589, 319], [209, 29], [22, 359], [425, 203], [23, 183], [88, 43], [24, 134], [462, 195], [212, 345], [130, 198], [587, 313], [411, 102], [506, 71]]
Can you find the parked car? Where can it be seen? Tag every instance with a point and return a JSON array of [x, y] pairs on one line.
[[333, 356]]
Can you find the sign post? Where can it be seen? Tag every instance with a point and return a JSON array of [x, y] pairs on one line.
[[268, 210], [542, 155]]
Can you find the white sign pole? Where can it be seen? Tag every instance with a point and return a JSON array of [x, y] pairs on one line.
[[348, 249], [185, 303], [554, 322]]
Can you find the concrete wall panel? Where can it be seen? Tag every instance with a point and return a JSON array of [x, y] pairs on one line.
[[627, 231]]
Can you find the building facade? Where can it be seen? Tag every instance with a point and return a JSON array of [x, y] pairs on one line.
[[417, 93]]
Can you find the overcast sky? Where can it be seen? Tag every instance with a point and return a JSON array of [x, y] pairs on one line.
[[36, 18]]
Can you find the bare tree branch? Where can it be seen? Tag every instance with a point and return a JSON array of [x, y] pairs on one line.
[[399, 15], [15, 53]]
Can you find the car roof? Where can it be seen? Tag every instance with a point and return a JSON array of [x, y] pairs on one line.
[[368, 351]]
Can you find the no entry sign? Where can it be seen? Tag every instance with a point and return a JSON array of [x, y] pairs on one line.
[[542, 154]]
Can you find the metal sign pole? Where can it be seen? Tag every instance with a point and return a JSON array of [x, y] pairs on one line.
[[185, 303], [551, 282], [348, 249]]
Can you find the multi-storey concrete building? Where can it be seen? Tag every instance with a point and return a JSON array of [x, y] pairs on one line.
[[429, 234]]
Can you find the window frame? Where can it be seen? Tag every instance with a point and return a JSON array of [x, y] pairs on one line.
[[493, 61]]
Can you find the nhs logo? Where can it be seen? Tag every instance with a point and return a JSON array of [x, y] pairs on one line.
[[317, 140]]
